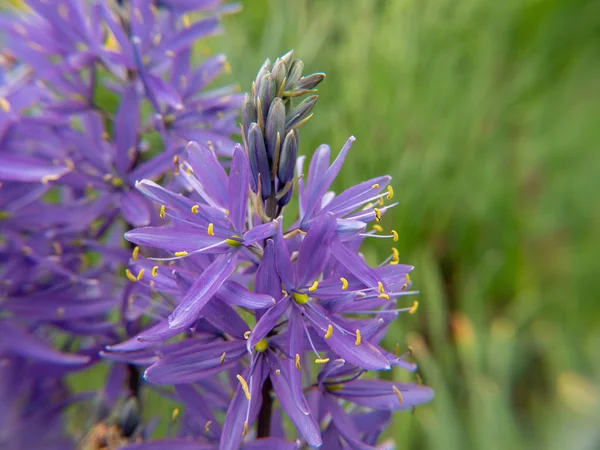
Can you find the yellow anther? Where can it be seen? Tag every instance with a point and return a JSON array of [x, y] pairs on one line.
[[397, 349], [227, 67], [344, 283], [48, 178], [207, 426], [247, 334], [156, 39], [261, 345], [398, 394], [162, 211], [135, 253], [407, 276], [322, 360], [244, 386], [245, 432], [384, 296], [117, 182], [301, 299], [222, 358], [377, 214], [170, 53], [140, 275], [314, 286], [233, 242], [395, 235], [57, 248], [195, 209], [175, 415], [297, 361], [395, 254], [329, 331], [176, 160], [378, 228], [390, 194], [105, 135], [211, 229], [4, 105], [183, 253], [358, 338], [186, 21], [277, 372], [130, 275], [375, 186], [380, 287], [380, 201], [155, 271], [414, 307]]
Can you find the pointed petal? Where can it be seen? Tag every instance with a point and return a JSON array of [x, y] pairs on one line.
[[325, 181], [238, 189], [354, 264], [380, 394], [195, 361], [17, 341], [135, 208], [315, 249], [222, 316], [267, 279], [207, 284], [345, 425], [127, 122], [26, 168], [305, 423], [235, 294], [283, 261], [233, 427], [209, 171], [296, 339], [267, 322], [175, 239], [343, 343], [260, 232], [354, 197]]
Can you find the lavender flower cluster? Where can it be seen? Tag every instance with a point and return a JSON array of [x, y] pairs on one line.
[[258, 314]]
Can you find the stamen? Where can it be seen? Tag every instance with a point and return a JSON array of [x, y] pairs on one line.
[[161, 213], [222, 358], [314, 286], [322, 360], [178, 254], [380, 201], [155, 271], [377, 214], [397, 349], [414, 308], [195, 209], [297, 361], [244, 386], [211, 228], [358, 338], [140, 275], [378, 228], [130, 275], [384, 296], [329, 331], [390, 192], [375, 186], [245, 432], [395, 234], [398, 394], [156, 39], [170, 53], [186, 21], [247, 334], [380, 287], [175, 415], [277, 372], [4, 105], [135, 253], [207, 426], [344, 283]]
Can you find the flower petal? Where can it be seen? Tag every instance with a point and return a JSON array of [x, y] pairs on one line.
[[354, 264], [175, 239], [267, 279], [315, 249], [343, 343], [209, 171], [306, 424], [135, 208], [29, 169], [380, 394], [296, 339], [267, 322], [207, 284], [283, 262], [238, 189], [127, 123], [236, 294]]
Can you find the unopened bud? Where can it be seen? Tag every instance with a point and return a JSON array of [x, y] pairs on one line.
[[248, 112], [259, 163], [294, 74], [287, 158], [301, 112], [275, 125], [279, 72], [266, 93], [309, 81]]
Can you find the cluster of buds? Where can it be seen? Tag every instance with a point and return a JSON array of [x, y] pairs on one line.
[[270, 124]]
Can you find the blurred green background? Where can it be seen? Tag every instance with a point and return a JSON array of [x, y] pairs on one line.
[[487, 115]]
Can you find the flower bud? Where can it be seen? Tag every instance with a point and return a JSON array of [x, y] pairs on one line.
[[259, 163], [309, 81], [279, 72], [248, 113], [275, 124], [288, 58], [266, 93], [264, 69], [287, 158], [302, 111], [294, 74]]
